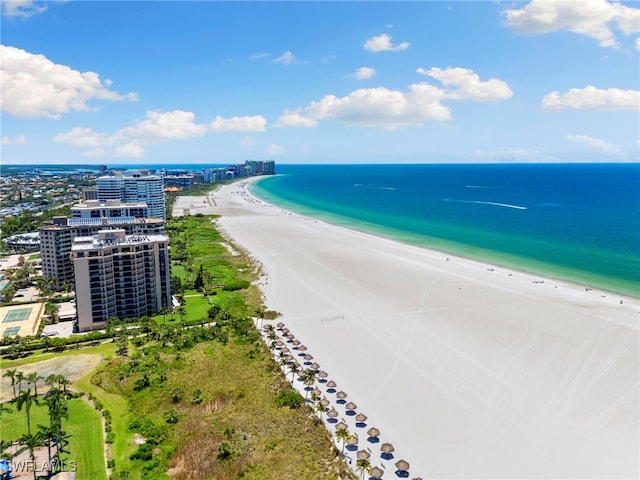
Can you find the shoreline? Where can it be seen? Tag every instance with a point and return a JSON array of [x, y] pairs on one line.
[[471, 371], [495, 258]]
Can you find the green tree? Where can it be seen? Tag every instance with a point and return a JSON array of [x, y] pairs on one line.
[[342, 434], [26, 400], [31, 442], [11, 375], [363, 465], [33, 378], [308, 377]]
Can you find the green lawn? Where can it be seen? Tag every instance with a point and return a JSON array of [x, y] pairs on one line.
[[84, 425]]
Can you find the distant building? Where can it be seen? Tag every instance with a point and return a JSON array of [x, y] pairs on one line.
[[89, 193], [119, 275], [28, 242], [183, 180], [133, 189]]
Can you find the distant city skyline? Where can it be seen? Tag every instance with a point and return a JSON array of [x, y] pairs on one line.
[[120, 83]]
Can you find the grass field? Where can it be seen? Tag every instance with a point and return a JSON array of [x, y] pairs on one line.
[[84, 425]]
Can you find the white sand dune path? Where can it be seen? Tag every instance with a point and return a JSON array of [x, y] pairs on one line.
[[470, 370]]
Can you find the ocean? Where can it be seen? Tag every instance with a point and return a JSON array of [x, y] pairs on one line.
[[575, 222]]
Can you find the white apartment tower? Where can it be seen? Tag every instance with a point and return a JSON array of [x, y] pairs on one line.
[[120, 275], [134, 188]]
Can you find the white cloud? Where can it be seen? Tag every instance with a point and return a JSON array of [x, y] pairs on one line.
[[638, 44], [295, 119], [257, 56], [364, 73], [596, 144], [287, 58], [593, 18], [34, 86], [592, 98], [391, 109], [273, 149], [156, 128], [256, 123], [382, 107], [467, 84], [18, 140], [382, 43], [22, 8]]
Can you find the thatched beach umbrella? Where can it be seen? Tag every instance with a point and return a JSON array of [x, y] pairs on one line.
[[387, 451], [290, 336], [324, 402], [353, 440], [302, 348], [333, 413], [376, 472], [331, 384], [350, 406], [308, 357], [316, 391], [285, 331], [315, 366], [296, 342], [284, 350], [363, 455], [402, 465], [342, 425], [361, 418], [322, 375], [290, 358], [279, 343], [387, 448], [341, 395], [373, 432], [416, 478], [280, 325]]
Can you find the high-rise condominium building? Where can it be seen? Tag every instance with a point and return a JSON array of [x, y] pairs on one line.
[[120, 275], [86, 219], [133, 189]]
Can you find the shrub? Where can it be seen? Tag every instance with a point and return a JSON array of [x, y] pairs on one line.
[[289, 398], [144, 452]]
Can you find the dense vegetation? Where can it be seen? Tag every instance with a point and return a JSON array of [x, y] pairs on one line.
[[193, 392]]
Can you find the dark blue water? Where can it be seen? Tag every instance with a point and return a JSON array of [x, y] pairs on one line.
[[579, 222]]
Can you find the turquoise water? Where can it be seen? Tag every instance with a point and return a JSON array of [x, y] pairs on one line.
[[578, 222]]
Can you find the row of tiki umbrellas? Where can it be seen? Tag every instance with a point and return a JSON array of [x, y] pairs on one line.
[[386, 448]]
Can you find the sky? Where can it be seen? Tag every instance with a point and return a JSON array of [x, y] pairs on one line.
[[119, 82]]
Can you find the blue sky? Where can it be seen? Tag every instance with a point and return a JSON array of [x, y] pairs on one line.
[[320, 82]]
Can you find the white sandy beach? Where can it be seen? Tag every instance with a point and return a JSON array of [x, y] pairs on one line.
[[470, 370]]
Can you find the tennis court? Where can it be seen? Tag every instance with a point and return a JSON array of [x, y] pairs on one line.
[[17, 315], [10, 331]]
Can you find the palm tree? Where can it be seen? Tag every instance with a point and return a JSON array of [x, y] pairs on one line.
[[48, 436], [20, 377], [182, 311], [33, 378], [51, 311], [26, 400], [320, 408], [342, 434], [31, 442], [308, 377], [11, 375], [363, 465], [293, 366]]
